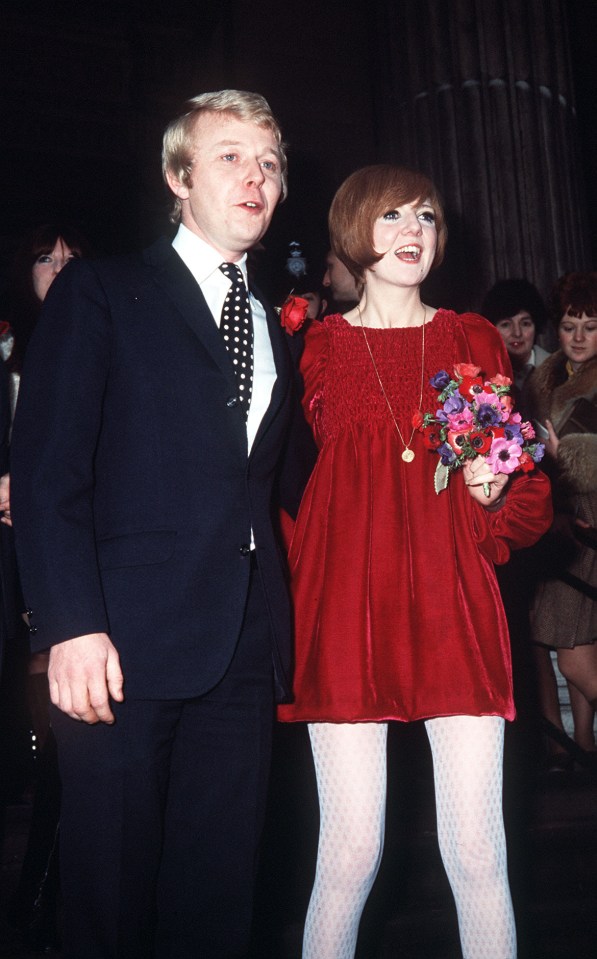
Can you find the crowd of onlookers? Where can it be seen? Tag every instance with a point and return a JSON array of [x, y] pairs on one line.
[[549, 590]]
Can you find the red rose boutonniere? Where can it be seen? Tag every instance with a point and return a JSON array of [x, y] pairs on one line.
[[293, 313]]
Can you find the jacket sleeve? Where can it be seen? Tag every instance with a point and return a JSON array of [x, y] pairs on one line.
[[57, 424]]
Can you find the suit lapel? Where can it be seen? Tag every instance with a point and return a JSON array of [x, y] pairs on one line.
[[282, 364], [179, 285], [181, 288]]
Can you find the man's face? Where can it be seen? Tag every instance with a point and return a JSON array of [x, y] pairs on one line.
[[339, 280], [235, 183]]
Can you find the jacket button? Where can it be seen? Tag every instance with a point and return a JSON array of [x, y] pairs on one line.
[[245, 549], [29, 611], [33, 630], [231, 402]]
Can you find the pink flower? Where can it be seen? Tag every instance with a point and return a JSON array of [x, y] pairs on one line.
[[500, 380], [491, 398], [466, 369], [527, 430], [459, 422], [504, 456]]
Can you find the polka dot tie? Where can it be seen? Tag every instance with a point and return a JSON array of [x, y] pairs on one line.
[[236, 326]]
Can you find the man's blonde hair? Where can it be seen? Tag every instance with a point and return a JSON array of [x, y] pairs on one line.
[[178, 139]]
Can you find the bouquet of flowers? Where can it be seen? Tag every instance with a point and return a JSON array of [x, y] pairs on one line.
[[476, 418]]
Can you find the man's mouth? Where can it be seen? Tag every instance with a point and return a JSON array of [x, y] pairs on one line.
[[251, 205], [409, 254]]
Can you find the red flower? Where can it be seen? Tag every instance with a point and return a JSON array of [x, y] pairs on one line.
[[431, 437], [526, 463], [293, 314], [480, 442], [457, 439], [470, 385]]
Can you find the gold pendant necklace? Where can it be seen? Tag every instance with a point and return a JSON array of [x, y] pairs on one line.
[[407, 453]]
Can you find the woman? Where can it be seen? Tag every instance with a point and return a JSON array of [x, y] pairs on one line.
[[519, 314], [393, 584], [42, 254], [563, 394]]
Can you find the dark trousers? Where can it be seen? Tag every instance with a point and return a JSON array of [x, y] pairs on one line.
[[162, 815]]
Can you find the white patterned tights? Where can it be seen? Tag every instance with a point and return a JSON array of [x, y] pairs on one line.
[[350, 762]]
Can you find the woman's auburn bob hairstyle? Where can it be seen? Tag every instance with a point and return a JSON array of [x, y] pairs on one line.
[[367, 194]]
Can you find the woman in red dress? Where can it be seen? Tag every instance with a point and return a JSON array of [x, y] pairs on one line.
[[398, 614]]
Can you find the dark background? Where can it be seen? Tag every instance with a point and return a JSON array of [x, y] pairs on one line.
[[86, 90]]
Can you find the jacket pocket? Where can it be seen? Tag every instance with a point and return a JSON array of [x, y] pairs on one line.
[[146, 548]]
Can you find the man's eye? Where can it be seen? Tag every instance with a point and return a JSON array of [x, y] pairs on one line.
[[229, 156], [270, 165]]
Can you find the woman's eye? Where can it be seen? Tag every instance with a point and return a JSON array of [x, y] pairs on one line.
[[427, 215], [44, 258], [390, 216]]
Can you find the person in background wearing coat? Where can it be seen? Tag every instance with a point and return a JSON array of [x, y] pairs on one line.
[[563, 397], [143, 463]]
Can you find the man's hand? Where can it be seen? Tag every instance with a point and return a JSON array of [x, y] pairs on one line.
[[83, 674], [478, 474], [5, 499]]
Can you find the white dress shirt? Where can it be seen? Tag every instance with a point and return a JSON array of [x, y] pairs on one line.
[[204, 263]]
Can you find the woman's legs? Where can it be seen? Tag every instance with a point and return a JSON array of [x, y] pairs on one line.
[[583, 715], [467, 759], [350, 762], [579, 667]]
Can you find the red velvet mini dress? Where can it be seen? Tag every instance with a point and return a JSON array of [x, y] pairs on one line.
[[397, 609]]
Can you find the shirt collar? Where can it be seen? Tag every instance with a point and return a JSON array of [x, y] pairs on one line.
[[201, 258]]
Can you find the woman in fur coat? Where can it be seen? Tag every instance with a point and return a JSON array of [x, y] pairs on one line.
[[563, 397]]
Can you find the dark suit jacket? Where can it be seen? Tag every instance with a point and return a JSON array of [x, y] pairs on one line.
[[133, 493]]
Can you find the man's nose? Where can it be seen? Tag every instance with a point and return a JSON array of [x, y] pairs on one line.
[[255, 172]]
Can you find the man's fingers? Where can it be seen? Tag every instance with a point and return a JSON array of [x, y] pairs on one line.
[[114, 677]]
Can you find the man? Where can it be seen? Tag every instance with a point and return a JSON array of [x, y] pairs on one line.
[[143, 463], [341, 283]]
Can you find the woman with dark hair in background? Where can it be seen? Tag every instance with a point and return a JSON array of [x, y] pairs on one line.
[[516, 309], [42, 254], [398, 614], [563, 396]]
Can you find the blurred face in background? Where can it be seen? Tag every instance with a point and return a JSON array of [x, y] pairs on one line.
[[518, 333], [339, 280], [47, 267], [578, 338]]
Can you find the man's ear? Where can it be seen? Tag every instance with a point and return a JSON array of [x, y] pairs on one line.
[[177, 186]]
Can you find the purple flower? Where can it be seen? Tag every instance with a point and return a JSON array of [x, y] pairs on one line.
[[512, 432], [487, 415], [447, 454], [538, 452], [440, 380], [454, 404]]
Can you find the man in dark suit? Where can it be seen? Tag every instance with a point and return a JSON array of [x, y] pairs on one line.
[[141, 501]]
